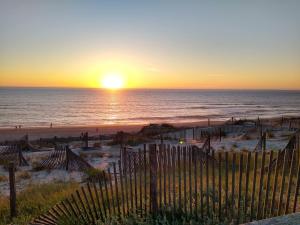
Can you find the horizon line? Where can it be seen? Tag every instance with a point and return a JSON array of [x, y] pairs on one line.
[[144, 88]]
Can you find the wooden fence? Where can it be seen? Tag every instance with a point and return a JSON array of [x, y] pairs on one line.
[[64, 158], [197, 183], [12, 153]]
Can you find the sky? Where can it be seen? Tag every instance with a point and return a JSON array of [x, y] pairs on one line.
[[151, 44]]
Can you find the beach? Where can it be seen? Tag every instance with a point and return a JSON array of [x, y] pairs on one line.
[[34, 133]]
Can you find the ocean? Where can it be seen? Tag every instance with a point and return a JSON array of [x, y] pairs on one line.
[[38, 107]]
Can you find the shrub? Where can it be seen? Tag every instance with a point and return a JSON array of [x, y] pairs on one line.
[[36, 166], [234, 145], [94, 173]]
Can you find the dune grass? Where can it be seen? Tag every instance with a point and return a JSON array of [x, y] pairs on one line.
[[35, 200]]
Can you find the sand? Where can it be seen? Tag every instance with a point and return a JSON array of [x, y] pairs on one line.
[[35, 133], [110, 154]]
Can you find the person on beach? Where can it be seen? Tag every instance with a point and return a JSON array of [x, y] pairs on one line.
[[51, 125]]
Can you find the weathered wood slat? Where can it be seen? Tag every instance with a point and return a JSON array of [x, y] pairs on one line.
[[179, 178], [117, 189], [201, 183], [107, 195], [220, 184], [153, 179], [122, 187], [226, 183], [88, 205], [268, 185], [233, 183], [247, 184], [174, 150], [102, 197], [160, 174], [296, 188], [287, 204], [190, 180], [130, 183], [253, 186], [140, 182], [261, 180], [169, 175], [213, 182], [98, 201], [145, 180], [165, 175], [240, 186], [135, 183], [93, 202], [184, 181], [207, 177], [282, 182], [195, 182], [275, 184]]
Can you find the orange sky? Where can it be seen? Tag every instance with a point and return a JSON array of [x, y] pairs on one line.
[[227, 46]]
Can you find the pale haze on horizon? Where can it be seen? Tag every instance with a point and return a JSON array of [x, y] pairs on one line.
[[151, 44]]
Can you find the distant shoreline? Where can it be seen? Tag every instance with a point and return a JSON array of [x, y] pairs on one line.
[[10, 134], [34, 133]]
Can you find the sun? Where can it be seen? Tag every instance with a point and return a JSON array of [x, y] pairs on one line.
[[112, 81]]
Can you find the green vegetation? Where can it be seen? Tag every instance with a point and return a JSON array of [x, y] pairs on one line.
[[229, 199], [36, 166], [35, 200], [94, 173], [39, 199]]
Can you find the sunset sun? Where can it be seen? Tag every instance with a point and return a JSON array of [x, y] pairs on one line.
[[112, 81]]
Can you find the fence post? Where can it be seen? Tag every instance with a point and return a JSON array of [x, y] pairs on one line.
[[20, 155], [193, 133], [67, 157], [86, 140], [264, 143], [12, 188], [153, 177], [125, 157]]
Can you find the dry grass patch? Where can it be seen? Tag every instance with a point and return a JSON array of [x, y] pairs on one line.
[[35, 200], [3, 178], [23, 175]]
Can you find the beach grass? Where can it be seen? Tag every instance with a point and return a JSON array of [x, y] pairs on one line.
[[35, 200]]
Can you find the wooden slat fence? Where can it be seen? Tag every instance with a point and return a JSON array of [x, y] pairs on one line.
[[229, 187], [64, 158], [12, 153]]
